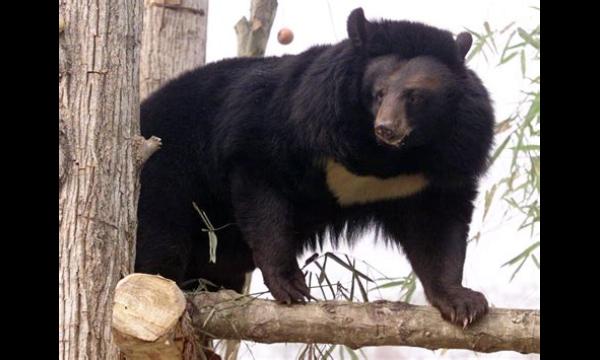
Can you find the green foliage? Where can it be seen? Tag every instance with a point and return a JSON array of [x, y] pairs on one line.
[[524, 255], [212, 237], [363, 281], [518, 136]]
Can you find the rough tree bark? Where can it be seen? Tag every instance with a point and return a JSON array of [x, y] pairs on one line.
[[173, 40], [98, 127], [227, 315], [253, 34]]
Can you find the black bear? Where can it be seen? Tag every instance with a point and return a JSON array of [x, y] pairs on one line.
[[388, 128]]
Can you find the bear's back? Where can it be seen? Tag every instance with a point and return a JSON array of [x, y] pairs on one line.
[[192, 96]]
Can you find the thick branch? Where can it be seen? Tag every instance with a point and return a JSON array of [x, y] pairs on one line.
[[227, 315], [253, 34], [231, 316]]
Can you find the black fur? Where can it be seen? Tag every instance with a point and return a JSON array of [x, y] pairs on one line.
[[246, 139]]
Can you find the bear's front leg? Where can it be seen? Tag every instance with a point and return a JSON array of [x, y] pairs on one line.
[[437, 256], [435, 243], [438, 259], [264, 218]]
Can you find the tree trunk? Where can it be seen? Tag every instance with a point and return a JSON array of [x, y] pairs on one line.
[[227, 315], [173, 40], [99, 121], [253, 34]]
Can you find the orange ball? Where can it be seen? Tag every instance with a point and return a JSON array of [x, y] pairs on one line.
[[285, 36]]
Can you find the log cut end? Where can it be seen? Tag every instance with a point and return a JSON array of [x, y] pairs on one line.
[[147, 307]]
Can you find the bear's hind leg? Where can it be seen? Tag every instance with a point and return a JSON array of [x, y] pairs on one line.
[[264, 216], [165, 256], [165, 227]]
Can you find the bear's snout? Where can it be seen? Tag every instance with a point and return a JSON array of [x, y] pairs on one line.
[[390, 136]]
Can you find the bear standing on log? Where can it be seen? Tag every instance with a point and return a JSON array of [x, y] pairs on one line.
[[388, 128]]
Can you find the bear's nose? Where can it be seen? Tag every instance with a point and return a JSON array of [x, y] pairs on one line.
[[385, 134]]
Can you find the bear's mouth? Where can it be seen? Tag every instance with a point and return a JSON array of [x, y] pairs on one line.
[[396, 141]]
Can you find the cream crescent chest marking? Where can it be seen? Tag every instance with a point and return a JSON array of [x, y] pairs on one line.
[[351, 189]]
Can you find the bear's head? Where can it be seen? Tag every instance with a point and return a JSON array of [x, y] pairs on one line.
[[412, 77], [409, 99], [418, 90]]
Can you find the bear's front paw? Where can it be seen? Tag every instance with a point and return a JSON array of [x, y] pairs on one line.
[[460, 305], [287, 286]]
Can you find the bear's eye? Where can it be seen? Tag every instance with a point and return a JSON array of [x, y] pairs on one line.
[[414, 98], [379, 95]]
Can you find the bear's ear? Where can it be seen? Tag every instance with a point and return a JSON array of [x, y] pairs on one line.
[[464, 40], [357, 28]]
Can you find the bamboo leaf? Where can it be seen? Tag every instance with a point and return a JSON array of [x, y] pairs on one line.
[[504, 60], [409, 292], [520, 133], [351, 352], [304, 351], [323, 276], [409, 286], [527, 148], [512, 34], [349, 267], [212, 244], [499, 150], [507, 27], [517, 269], [490, 35], [528, 38], [389, 285], [534, 109], [312, 258], [478, 45], [212, 236], [363, 292], [523, 63], [517, 45], [362, 353], [476, 237], [487, 28], [352, 286], [480, 37], [503, 125], [523, 254], [536, 164], [489, 196], [327, 353], [341, 352]]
